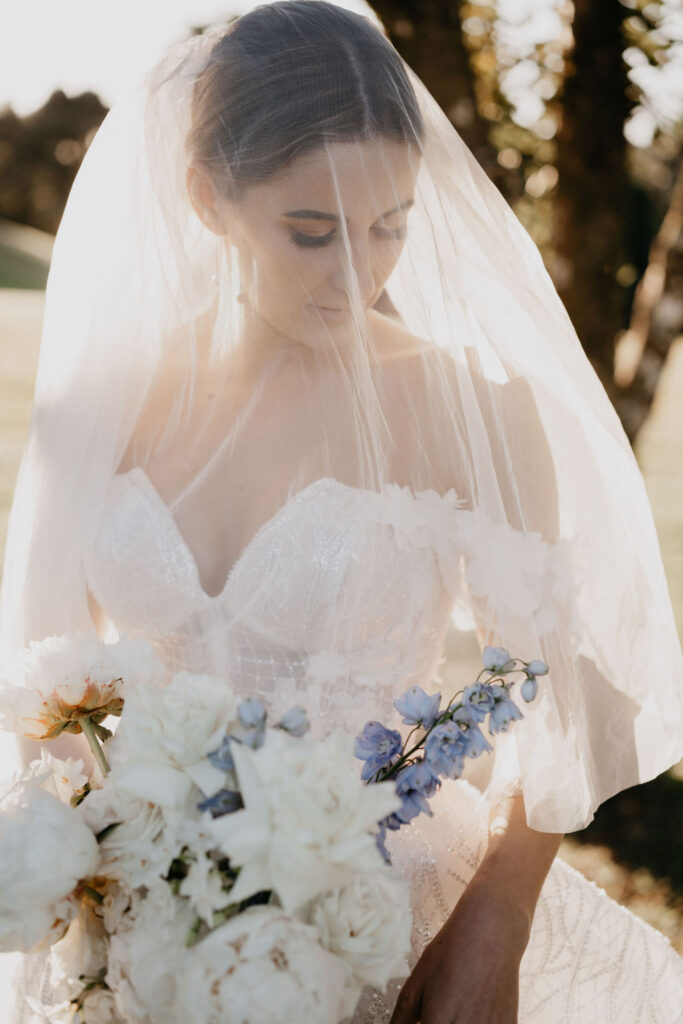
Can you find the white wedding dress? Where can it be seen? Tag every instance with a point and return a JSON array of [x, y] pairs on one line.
[[589, 961]]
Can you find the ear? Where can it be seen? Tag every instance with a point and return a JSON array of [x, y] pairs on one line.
[[205, 198]]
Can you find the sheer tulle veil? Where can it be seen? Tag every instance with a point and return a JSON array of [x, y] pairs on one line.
[[411, 342]]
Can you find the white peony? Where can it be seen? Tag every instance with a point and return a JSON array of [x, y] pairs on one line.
[[81, 952], [148, 958], [306, 820], [45, 850], [263, 967], [118, 898], [367, 924], [160, 747], [64, 679], [98, 1007]]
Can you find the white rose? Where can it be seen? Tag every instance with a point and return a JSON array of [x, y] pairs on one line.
[[141, 846], [306, 820], [63, 679], [368, 925], [143, 974], [263, 967], [45, 850], [160, 747]]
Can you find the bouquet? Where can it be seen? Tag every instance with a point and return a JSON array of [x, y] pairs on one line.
[[216, 868]]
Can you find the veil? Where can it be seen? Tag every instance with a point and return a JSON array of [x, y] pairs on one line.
[[281, 275]]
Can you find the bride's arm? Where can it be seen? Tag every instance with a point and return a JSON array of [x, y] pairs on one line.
[[518, 858], [469, 972]]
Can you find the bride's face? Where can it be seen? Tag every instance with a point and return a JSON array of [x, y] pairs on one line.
[[321, 238]]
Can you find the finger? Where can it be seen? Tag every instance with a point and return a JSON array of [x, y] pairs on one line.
[[407, 1009]]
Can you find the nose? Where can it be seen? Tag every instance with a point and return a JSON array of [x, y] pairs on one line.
[[357, 274]]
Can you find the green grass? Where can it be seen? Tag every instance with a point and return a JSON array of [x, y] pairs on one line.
[[20, 270]]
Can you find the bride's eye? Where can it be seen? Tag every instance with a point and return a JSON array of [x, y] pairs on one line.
[[312, 240], [391, 233]]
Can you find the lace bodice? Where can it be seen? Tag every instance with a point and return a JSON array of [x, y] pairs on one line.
[[345, 588]]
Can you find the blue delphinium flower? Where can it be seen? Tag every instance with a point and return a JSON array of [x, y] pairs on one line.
[[393, 822], [478, 700], [379, 839], [221, 758], [295, 721], [537, 668], [252, 722], [446, 749], [225, 801], [476, 741], [497, 659], [529, 688], [418, 708], [504, 710], [377, 746], [414, 784], [252, 713]]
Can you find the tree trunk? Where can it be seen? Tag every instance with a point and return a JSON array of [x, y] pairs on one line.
[[592, 204], [656, 318], [428, 35]]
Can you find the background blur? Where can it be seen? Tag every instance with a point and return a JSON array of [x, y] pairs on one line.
[[575, 110]]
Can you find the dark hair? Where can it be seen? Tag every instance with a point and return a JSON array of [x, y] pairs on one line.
[[289, 77]]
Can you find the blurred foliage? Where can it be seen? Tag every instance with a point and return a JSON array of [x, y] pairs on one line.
[[578, 119], [40, 154]]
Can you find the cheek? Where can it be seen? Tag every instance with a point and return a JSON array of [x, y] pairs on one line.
[[386, 257], [302, 271]]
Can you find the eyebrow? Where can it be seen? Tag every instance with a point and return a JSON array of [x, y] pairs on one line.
[[319, 215]]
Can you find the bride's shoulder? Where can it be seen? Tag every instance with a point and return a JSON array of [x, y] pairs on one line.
[[421, 403], [408, 361], [423, 363], [394, 342]]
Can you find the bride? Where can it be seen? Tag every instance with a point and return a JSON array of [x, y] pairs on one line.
[[307, 396]]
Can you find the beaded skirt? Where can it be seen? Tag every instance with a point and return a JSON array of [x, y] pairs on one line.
[[588, 961]]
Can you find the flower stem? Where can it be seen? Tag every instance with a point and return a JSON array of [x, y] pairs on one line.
[[93, 894], [89, 732]]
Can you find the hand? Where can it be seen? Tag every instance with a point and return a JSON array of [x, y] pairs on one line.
[[469, 972]]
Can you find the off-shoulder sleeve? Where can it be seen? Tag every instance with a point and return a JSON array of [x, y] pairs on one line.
[[607, 715]]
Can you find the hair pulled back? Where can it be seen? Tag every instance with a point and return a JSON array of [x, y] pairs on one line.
[[291, 76]]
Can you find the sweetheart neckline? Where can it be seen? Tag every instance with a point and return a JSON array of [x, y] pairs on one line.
[[269, 523]]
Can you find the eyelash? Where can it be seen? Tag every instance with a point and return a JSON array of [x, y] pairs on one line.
[[313, 241]]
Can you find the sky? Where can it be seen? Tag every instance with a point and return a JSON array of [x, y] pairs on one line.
[[101, 45]]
